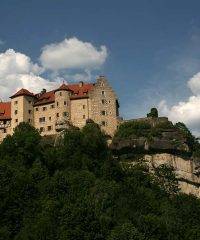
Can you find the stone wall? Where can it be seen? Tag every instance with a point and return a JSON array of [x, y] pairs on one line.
[[154, 122], [104, 106], [80, 111], [48, 113]]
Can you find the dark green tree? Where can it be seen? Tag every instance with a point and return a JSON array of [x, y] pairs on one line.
[[153, 113], [165, 177]]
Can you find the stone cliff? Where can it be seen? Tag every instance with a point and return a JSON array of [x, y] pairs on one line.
[[159, 144]]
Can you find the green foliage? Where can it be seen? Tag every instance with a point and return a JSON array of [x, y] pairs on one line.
[[192, 141], [153, 113], [165, 178], [125, 231], [133, 128], [78, 191], [165, 125]]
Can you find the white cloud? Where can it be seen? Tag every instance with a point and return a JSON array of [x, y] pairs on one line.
[[12, 62], [77, 77], [194, 84], [17, 71], [74, 54], [188, 111], [69, 60]]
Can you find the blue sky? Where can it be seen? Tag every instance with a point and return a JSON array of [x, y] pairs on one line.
[[148, 50]]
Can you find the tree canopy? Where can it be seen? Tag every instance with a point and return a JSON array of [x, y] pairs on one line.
[[78, 191]]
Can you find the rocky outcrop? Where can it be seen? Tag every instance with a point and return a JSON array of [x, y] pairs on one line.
[[186, 169], [168, 140], [162, 146]]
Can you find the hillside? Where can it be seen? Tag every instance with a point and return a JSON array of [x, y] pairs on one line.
[[159, 142], [77, 190]]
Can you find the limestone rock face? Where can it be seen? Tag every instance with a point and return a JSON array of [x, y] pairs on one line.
[[187, 170]]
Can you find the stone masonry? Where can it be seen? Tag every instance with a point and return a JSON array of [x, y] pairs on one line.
[[50, 112]]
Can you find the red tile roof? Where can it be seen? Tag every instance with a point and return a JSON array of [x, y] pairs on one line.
[[77, 91], [80, 91], [22, 92], [5, 110], [44, 98], [63, 87]]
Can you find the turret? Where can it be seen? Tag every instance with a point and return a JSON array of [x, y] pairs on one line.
[[22, 107], [62, 104]]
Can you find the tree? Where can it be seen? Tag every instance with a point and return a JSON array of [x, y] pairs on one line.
[[165, 177], [23, 145], [126, 231], [192, 141], [153, 113]]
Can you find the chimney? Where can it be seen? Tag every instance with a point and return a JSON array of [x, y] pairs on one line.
[[43, 91], [80, 83]]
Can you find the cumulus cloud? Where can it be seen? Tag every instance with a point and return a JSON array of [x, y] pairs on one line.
[[17, 71], [74, 54], [186, 111], [194, 84], [77, 77], [70, 60]]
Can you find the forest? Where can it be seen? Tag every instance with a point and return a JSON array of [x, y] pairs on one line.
[[79, 191]]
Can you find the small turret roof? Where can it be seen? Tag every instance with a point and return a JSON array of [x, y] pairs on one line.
[[63, 87], [22, 92]]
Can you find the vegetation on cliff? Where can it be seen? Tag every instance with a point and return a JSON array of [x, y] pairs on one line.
[[78, 191]]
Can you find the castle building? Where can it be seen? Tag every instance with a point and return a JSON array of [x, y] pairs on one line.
[[50, 112]]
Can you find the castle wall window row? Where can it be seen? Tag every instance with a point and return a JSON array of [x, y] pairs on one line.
[[68, 103]]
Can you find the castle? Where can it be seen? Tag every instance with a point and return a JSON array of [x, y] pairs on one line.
[[51, 112]]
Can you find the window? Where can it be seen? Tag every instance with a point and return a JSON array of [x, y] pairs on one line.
[[60, 93], [103, 112], [5, 130], [15, 112], [66, 114], [104, 101], [52, 106], [44, 108], [83, 116], [41, 129], [110, 113], [29, 111], [83, 106], [37, 109], [104, 123], [103, 93], [29, 120], [49, 128], [29, 102], [49, 118], [65, 102], [57, 114], [16, 120], [42, 119], [57, 103], [15, 102]]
